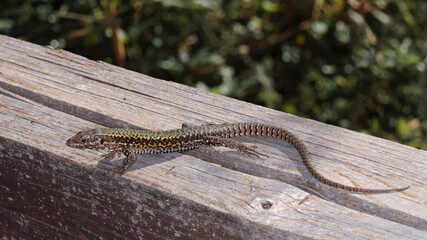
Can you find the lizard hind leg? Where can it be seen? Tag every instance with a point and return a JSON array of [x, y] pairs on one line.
[[228, 143]]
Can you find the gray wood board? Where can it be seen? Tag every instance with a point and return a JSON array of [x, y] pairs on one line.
[[48, 95]]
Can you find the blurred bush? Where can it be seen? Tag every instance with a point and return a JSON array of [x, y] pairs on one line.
[[358, 64]]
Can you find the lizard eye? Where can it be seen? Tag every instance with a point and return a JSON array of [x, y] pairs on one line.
[[102, 141]]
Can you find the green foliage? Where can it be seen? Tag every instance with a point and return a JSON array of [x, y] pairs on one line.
[[357, 64]]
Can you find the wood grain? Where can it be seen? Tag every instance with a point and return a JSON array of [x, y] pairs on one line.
[[48, 189]]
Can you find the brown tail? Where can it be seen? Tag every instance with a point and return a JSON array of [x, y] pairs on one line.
[[282, 134]]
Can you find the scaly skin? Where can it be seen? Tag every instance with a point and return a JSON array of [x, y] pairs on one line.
[[131, 142]]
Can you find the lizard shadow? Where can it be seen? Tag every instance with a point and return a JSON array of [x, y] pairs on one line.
[[280, 164], [142, 161], [281, 156]]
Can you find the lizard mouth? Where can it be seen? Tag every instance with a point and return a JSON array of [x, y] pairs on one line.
[[73, 144]]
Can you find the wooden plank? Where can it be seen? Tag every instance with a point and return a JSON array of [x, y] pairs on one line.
[[48, 95]]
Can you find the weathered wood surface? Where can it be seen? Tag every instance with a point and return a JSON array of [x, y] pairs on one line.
[[48, 189]]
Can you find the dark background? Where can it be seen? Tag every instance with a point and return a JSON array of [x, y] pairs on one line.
[[357, 64]]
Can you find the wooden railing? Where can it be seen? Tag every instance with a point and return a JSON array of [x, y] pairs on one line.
[[50, 190]]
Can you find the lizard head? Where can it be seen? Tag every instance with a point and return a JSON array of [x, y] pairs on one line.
[[87, 139]]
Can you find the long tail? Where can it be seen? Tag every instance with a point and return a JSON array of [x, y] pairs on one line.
[[282, 134]]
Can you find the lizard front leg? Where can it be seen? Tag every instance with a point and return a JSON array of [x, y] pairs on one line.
[[127, 163]]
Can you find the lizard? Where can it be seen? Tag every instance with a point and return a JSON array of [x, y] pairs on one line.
[[131, 142]]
